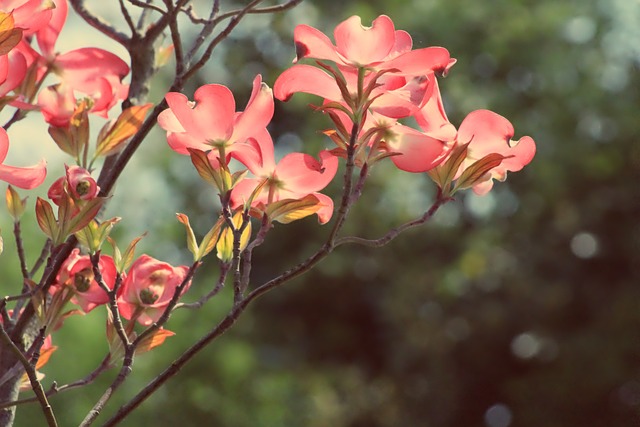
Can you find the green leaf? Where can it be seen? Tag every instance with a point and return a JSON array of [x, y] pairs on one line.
[[15, 205], [474, 173], [192, 244], [46, 219]]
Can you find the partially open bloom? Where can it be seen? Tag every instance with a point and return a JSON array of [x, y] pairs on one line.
[[77, 275], [77, 183], [294, 177], [148, 289], [23, 177]]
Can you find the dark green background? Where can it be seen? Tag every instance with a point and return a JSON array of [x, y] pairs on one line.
[[527, 299]]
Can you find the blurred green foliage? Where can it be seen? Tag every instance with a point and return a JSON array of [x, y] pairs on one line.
[[521, 308]]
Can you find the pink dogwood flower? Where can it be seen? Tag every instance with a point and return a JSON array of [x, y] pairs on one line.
[[211, 121], [23, 177], [76, 273], [401, 78], [488, 132], [148, 289], [295, 176], [379, 47]]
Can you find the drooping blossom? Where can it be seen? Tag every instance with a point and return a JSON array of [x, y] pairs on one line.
[[488, 132], [211, 121], [23, 177], [148, 288], [295, 176], [77, 274], [91, 71]]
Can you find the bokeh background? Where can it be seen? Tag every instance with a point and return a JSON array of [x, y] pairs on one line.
[[520, 308]]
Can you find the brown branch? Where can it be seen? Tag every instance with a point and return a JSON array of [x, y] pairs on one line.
[[55, 389], [224, 270], [98, 23], [33, 377]]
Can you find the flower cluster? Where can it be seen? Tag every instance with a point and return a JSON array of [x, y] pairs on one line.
[[29, 30], [142, 293]]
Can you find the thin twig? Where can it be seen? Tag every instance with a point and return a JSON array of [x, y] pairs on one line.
[[55, 388], [127, 17], [112, 294], [224, 270], [98, 23], [216, 41], [20, 248], [46, 248], [33, 378]]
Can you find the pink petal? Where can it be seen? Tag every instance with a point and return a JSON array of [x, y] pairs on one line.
[[18, 65], [169, 122], [81, 67], [179, 142], [26, 177], [489, 133], [326, 208], [303, 174], [419, 152], [256, 154], [421, 61], [432, 118], [243, 190], [48, 35], [364, 46], [307, 79], [258, 113], [311, 43], [31, 15], [211, 119], [57, 104], [403, 43]]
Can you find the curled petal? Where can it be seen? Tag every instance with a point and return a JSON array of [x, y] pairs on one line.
[[418, 151], [313, 43], [308, 79], [303, 174], [258, 113], [325, 212], [421, 61], [22, 177], [489, 133], [48, 34], [17, 63]]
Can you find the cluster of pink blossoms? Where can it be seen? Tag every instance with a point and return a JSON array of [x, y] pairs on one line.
[[142, 294], [30, 29], [369, 80]]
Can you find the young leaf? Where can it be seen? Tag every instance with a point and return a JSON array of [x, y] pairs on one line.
[[15, 205], [126, 125], [192, 244], [9, 35], [153, 340], [46, 219], [474, 173], [210, 239], [289, 210]]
